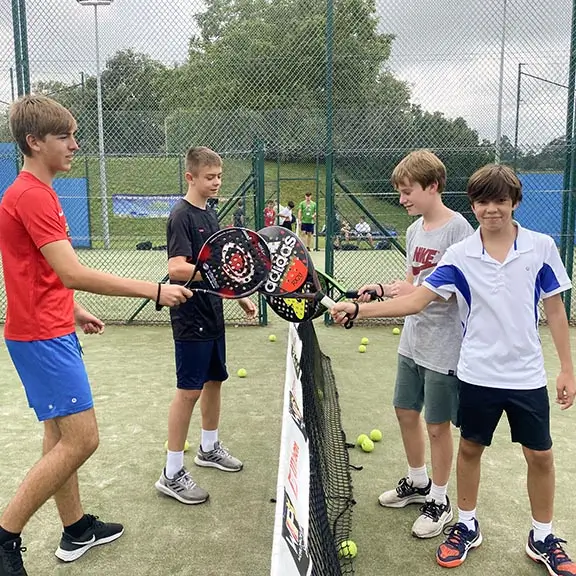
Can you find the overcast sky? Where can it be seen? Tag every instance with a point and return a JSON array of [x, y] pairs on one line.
[[448, 51]]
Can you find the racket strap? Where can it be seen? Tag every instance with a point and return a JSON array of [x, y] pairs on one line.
[[158, 306], [356, 310]]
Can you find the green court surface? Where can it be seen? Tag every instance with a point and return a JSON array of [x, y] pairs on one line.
[[131, 370]]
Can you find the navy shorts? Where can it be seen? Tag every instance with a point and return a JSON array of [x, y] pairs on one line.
[[53, 375], [307, 228], [198, 362], [528, 413]]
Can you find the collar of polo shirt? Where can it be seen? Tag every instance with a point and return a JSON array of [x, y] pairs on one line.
[[522, 244]]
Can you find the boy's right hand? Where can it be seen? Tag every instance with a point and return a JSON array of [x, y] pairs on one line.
[[364, 292], [173, 295]]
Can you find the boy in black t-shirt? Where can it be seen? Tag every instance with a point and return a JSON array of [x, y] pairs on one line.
[[198, 330]]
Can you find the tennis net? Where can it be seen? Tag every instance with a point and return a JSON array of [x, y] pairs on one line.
[[314, 493]]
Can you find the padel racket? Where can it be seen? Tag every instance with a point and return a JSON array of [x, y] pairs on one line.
[[289, 261], [233, 262]]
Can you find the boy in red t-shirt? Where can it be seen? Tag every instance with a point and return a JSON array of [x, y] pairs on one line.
[[269, 214], [41, 271]]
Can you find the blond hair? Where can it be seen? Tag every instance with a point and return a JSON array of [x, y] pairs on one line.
[[38, 116], [422, 167], [494, 182], [199, 156]]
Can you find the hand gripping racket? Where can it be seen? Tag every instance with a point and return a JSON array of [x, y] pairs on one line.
[[233, 263]]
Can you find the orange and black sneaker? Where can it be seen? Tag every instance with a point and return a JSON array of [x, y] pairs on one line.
[[453, 551], [551, 554]]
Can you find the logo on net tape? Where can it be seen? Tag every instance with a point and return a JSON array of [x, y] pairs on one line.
[[294, 536], [287, 273]]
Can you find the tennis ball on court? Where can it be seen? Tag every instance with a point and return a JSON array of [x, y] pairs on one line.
[[272, 338], [396, 331], [361, 439], [375, 435], [242, 373], [347, 549], [362, 348], [186, 446], [365, 341], [367, 445]]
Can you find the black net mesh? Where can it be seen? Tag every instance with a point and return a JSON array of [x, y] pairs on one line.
[[330, 481]]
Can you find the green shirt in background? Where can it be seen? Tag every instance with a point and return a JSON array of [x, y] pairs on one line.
[[308, 211]]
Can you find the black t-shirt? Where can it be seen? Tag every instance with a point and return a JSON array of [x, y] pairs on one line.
[[202, 316]]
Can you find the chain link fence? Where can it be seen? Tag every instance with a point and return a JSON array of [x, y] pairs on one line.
[[337, 91]]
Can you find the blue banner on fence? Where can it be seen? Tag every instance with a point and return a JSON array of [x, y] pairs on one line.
[[134, 206]]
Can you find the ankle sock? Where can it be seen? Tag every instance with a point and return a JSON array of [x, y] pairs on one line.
[[78, 528], [467, 518], [418, 476], [541, 530], [6, 536]]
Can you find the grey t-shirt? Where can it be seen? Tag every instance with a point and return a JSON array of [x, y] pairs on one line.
[[433, 337]]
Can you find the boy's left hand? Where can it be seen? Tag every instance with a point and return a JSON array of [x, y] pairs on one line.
[[565, 389], [248, 306], [88, 322]]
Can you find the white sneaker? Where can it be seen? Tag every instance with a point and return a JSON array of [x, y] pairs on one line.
[[405, 493], [433, 519]]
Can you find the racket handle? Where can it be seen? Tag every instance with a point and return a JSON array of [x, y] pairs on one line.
[[353, 294], [327, 302]]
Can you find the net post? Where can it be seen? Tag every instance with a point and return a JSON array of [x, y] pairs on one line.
[[259, 181]]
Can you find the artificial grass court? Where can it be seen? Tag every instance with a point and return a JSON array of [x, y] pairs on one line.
[[131, 369]]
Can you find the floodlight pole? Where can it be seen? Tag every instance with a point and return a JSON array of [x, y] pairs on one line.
[[101, 149]]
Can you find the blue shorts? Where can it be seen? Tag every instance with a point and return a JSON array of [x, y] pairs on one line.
[[53, 375], [198, 362], [308, 228]]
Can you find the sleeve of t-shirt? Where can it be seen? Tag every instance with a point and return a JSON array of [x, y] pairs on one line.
[[409, 236], [179, 238], [552, 277], [447, 278], [40, 213], [461, 230]]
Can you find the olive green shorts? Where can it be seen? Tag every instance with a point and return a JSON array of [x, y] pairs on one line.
[[418, 387]]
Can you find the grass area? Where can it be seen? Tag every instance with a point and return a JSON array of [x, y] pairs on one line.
[[232, 534], [163, 175]]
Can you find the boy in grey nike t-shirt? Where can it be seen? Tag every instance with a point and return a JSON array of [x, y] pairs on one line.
[[429, 346]]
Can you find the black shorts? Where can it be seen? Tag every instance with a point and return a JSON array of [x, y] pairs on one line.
[[528, 413], [307, 227], [198, 362], [287, 224]]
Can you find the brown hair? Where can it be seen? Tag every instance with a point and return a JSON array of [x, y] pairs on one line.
[[199, 156], [494, 182], [421, 166], [38, 116]]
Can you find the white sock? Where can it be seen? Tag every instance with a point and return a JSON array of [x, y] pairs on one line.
[[174, 463], [438, 493], [541, 529], [418, 476], [209, 438], [467, 518]]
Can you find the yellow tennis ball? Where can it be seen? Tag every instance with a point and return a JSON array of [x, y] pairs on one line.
[[272, 338], [347, 549], [242, 373], [365, 341], [186, 446], [367, 445], [375, 435], [396, 331], [361, 348], [361, 439]]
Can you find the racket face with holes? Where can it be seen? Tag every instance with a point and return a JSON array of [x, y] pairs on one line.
[[289, 261], [234, 263]]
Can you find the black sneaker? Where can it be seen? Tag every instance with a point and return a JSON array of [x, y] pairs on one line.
[[551, 554], [11, 558], [405, 493], [71, 548]]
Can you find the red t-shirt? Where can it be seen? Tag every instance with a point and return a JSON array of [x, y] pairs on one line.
[[40, 307], [269, 216]]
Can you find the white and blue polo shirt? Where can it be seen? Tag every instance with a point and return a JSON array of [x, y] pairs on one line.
[[498, 306]]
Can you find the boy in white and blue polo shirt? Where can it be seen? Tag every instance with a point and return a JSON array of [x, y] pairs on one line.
[[498, 276]]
